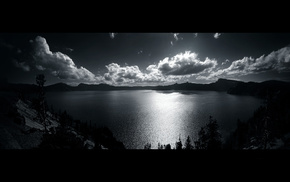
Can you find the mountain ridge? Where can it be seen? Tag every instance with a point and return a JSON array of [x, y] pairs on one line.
[[258, 89], [219, 85]]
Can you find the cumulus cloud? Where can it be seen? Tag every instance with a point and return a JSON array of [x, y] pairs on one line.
[[59, 64], [154, 74], [275, 61], [184, 64], [122, 75], [117, 74], [216, 35], [22, 65]]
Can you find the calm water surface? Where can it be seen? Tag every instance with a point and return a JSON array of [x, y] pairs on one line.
[[138, 117]]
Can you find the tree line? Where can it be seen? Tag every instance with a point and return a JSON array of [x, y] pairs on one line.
[[209, 138]]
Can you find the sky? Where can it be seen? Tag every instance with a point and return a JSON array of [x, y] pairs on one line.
[[144, 58]]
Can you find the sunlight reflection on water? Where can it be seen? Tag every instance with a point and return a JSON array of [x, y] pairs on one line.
[[138, 117]]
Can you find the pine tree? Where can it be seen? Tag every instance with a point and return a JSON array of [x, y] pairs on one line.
[[147, 146], [178, 144], [209, 136], [187, 144], [214, 137], [40, 80]]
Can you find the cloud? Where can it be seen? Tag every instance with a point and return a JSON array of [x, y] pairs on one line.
[[10, 47], [39, 67], [21, 65], [124, 75], [195, 35], [6, 45], [275, 61], [216, 35], [69, 49], [184, 64], [175, 35], [112, 35], [154, 74], [59, 64], [225, 62], [127, 74]]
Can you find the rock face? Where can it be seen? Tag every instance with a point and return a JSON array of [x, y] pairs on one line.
[[30, 116], [20, 129]]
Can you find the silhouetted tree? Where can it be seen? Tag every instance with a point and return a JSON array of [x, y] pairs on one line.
[[147, 146], [41, 108], [178, 144], [214, 137], [187, 144], [238, 138], [167, 147], [202, 139], [163, 147], [209, 136], [160, 146]]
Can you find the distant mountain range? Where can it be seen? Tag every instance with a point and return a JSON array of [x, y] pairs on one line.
[[229, 86], [220, 85]]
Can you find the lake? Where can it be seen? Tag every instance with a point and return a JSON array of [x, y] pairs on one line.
[[137, 117]]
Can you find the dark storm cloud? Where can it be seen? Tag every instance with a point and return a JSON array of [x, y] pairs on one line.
[[275, 61], [184, 64], [59, 64]]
